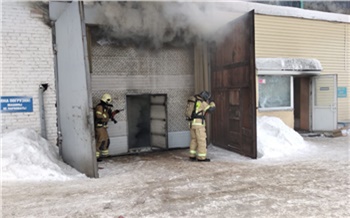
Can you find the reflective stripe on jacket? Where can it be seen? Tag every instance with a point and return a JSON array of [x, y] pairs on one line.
[[201, 108], [102, 117]]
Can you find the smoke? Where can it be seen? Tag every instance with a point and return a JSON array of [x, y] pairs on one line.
[[180, 23], [160, 23]]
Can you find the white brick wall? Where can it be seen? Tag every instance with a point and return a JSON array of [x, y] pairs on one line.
[[27, 61]]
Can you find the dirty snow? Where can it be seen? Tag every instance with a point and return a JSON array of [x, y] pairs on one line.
[[293, 177]]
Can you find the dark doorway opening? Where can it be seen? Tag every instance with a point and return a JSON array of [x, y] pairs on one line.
[[301, 103], [147, 122], [139, 121]]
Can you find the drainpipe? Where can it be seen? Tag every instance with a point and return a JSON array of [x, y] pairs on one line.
[[42, 89]]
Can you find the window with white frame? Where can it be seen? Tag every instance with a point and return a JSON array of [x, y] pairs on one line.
[[275, 92]]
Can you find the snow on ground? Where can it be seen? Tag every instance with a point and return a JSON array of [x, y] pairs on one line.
[[276, 140], [293, 177], [27, 156]]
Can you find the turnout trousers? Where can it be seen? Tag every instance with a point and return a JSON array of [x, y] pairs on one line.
[[102, 141], [198, 145]]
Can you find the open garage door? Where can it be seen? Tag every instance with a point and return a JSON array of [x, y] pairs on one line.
[[159, 126], [74, 104], [233, 87]]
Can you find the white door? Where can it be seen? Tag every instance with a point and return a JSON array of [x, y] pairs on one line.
[[324, 103], [74, 103]]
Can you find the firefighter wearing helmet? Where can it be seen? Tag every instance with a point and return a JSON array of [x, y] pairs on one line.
[[198, 146], [103, 112]]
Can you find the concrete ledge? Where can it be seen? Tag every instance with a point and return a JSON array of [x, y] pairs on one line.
[[344, 123], [119, 145], [179, 139]]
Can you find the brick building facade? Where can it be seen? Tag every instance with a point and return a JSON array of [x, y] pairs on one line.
[[27, 62]]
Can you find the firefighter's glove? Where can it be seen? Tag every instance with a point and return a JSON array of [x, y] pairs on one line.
[[115, 112], [212, 107]]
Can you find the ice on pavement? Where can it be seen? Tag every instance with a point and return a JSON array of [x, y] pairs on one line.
[[27, 156]]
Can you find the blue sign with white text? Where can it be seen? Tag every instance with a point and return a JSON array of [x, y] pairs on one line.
[[14, 104], [342, 92]]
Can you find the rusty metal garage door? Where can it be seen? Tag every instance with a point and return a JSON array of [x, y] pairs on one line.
[[233, 88]]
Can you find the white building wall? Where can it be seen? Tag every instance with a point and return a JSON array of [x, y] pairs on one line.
[[27, 61]]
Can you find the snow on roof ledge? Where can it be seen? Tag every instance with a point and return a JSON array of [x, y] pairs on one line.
[[288, 64], [277, 10], [303, 13]]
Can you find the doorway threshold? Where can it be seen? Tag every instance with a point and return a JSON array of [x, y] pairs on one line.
[[310, 134]]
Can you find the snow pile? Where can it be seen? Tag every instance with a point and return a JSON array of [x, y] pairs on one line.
[[28, 156], [345, 131], [276, 140]]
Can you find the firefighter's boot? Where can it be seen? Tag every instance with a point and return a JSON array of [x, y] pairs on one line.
[[204, 160]]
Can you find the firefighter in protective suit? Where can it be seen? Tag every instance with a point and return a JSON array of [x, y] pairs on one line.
[[103, 112], [198, 145]]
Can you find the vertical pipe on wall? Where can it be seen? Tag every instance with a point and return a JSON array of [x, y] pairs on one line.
[[54, 48], [42, 89]]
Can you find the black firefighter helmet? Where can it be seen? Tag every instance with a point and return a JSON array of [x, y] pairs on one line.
[[205, 95]]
